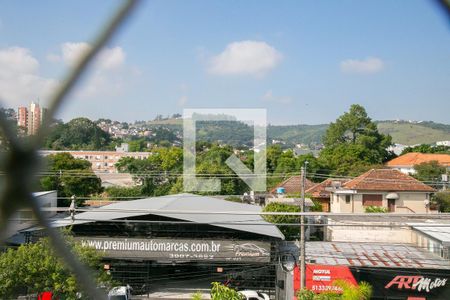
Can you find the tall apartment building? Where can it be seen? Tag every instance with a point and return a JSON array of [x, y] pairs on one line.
[[31, 118], [22, 117]]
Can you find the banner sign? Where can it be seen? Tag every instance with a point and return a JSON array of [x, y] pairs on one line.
[[180, 250], [406, 283], [387, 283], [321, 278]]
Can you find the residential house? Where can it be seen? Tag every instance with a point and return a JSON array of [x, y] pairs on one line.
[[293, 186], [321, 191], [405, 163], [387, 188]]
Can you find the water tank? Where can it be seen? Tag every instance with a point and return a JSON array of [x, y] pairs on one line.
[[281, 190]]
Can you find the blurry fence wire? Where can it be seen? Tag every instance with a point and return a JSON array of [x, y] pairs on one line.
[[21, 161]]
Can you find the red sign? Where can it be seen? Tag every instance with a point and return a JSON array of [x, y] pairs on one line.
[[320, 278]]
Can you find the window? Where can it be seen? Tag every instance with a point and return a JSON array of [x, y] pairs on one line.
[[372, 200], [347, 199]]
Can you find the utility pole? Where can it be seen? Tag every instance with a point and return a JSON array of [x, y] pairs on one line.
[[302, 231]]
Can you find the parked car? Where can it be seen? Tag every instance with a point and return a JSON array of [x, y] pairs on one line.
[[254, 295], [120, 293]]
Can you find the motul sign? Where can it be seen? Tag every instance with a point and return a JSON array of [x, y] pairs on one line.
[[418, 283]]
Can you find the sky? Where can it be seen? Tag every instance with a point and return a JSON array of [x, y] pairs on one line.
[[305, 62]]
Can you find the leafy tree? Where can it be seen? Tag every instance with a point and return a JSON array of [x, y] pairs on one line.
[[123, 192], [35, 268], [9, 115], [70, 176], [137, 145], [155, 172], [442, 199], [79, 133], [429, 171], [222, 292], [354, 140], [425, 148], [290, 232]]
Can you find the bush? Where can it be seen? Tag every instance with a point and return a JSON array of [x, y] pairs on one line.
[[197, 296], [363, 291], [442, 199], [290, 232], [222, 292], [123, 192], [376, 209]]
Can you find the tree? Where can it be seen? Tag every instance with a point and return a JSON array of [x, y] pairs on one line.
[[425, 148], [354, 140], [222, 292], [430, 171], [290, 232], [155, 172], [70, 176], [9, 115], [79, 133], [442, 199], [35, 268]]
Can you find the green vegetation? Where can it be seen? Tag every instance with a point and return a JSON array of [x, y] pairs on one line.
[[35, 268], [414, 133], [353, 141], [290, 232], [425, 148], [222, 292], [363, 291], [197, 296], [375, 209], [430, 172], [442, 199], [70, 176], [78, 134], [116, 192]]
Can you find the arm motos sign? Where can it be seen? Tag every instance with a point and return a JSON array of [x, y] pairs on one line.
[[174, 249]]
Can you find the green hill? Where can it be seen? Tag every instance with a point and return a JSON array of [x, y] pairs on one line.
[[415, 133], [236, 133]]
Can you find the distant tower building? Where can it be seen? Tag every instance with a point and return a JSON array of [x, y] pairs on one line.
[[22, 117], [31, 119], [34, 118]]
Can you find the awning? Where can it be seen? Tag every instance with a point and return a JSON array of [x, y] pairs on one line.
[[392, 196]]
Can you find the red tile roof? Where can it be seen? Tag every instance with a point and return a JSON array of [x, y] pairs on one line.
[[413, 158], [386, 180], [292, 185], [320, 190]]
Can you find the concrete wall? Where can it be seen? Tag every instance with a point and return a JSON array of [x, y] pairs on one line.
[[361, 233]]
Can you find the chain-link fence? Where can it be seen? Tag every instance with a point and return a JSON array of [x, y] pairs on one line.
[[21, 162]]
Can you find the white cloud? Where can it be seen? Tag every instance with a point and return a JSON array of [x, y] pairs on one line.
[[20, 78], [369, 65], [108, 73], [245, 58], [269, 97], [108, 58]]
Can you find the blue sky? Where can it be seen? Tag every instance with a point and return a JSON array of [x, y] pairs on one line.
[[305, 61]]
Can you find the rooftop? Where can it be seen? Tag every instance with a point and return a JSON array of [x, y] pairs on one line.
[[386, 180], [320, 190], [373, 255], [440, 232], [413, 158], [292, 185], [186, 207]]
